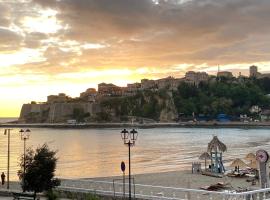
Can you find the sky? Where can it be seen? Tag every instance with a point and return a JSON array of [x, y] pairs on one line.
[[53, 46]]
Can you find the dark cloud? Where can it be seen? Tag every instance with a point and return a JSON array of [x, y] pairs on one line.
[[9, 40], [140, 33], [34, 40], [4, 15]]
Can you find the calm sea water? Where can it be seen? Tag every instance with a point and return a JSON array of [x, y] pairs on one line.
[[7, 119], [99, 152]]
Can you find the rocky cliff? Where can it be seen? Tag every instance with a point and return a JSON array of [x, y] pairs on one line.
[[155, 105]]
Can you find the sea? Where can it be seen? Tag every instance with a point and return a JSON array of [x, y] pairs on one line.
[[7, 119], [88, 153]]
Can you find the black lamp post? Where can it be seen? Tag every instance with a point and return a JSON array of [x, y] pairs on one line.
[[7, 132], [25, 134], [129, 139]]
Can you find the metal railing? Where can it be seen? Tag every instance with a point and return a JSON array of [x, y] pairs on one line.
[[159, 192]]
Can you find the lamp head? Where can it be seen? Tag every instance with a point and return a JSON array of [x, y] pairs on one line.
[[25, 134], [124, 134], [133, 135]]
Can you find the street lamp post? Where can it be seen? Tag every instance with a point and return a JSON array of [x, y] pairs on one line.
[[7, 132], [24, 136], [129, 139]]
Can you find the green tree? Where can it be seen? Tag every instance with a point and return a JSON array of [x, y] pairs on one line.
[[39, 170], [79, 114]]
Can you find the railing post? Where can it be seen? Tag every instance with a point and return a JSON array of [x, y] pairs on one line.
[[258, 196], [224, 197]]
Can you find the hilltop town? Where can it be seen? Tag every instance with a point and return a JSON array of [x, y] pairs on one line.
[[109, 101]]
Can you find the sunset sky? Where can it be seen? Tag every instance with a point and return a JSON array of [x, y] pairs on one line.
[[52, 46]]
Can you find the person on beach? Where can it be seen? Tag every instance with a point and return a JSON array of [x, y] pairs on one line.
[[3, 176]]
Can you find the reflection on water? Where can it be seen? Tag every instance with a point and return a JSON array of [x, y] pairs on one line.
[[99, 152]]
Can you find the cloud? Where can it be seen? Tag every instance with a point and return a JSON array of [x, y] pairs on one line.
[[9, 40], [5, 15], [144, 33], [198, 25]]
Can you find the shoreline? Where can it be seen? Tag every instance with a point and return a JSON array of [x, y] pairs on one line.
[[250, 125]]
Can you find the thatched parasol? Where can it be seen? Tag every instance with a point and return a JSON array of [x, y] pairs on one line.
[[205, 156], [253, 165], [238, 163], [216, 145], [251, 157]]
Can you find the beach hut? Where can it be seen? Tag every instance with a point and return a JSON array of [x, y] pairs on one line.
[[205, 156], [216, 148], [237, 163]]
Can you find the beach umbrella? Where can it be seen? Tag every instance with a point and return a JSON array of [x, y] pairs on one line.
[[253, 165], [205, 156], [251, 157], [216, 145], [238, 163]]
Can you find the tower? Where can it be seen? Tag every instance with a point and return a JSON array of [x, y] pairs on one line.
[[253, 71]]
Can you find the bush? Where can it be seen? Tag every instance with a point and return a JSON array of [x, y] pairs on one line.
[[52, 195]]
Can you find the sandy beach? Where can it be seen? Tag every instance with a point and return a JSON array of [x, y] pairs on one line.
[[180, 179], [176, 179], [183, 179]]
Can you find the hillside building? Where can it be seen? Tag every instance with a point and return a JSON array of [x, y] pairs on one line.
[[60, 98], [148, 84], [89, 95], [131, 89], [265, 115], [109, 89], [225, 74], [134, 87], [196, 77], [254, 73], [165, 82]]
